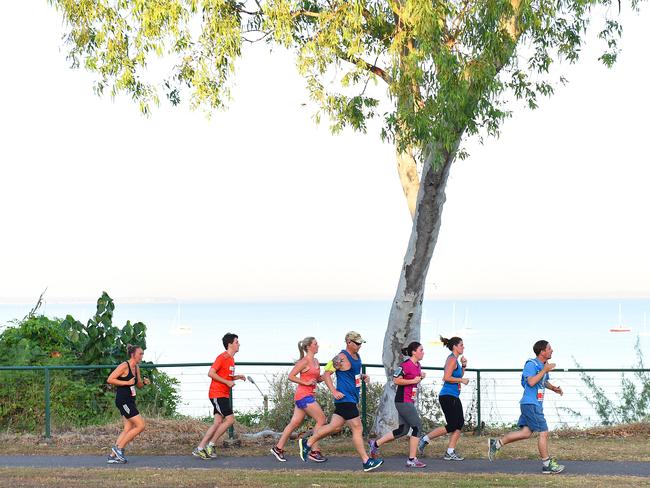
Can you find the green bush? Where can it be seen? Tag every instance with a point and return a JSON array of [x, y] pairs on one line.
[[78, 397]]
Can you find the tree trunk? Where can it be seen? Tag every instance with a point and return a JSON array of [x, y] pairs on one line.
[[406, 312], [407, 169]]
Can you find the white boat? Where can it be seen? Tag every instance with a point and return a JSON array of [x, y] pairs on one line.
[[180, 329], [620, 327]]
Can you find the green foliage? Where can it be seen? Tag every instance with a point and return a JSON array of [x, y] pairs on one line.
[[282, 406], [448, 65], [78, 397], [633, 402]]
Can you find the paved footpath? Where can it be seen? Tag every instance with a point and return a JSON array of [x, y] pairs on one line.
[[335, 463]]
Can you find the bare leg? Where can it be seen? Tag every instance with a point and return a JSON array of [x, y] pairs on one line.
[[517, 435], [542, 444], [387, 437], [223, 427], [453, 439], [437, 432], [211, 430], [294, 423], [137, 426], [125, 430], [315, 412], [413, 446], [335, 425], [357, 437]]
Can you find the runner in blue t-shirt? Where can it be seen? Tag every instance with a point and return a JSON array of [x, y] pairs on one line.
[[534, 380], [347, 366]]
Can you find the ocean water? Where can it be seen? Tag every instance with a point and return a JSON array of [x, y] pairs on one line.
[[496, 333]]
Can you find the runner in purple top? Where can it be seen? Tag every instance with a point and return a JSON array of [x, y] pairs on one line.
[[407, 378]]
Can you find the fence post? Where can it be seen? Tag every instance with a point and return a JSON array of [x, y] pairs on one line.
[[47, 403], [231, 429], [478, 401], [363, 402]]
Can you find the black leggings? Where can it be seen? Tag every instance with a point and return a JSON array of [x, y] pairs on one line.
[[453, 410]]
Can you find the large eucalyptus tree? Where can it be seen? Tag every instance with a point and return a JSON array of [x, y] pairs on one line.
[[448, 68]]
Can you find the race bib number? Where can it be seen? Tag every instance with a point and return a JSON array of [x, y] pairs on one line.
[[232, 372], [132, 391], [357, 381], [540, 394], [414, 393]]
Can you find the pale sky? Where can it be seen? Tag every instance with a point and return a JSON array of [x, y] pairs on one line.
[[260, 203]]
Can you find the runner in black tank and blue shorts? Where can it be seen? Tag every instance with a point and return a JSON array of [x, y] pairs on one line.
[[126, 377], [347, 365], [449, 398]]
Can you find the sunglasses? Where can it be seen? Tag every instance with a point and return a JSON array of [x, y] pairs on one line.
[[357, 343]]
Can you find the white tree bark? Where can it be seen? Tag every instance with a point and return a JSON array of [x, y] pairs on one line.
[[407, 169], [406, 311]]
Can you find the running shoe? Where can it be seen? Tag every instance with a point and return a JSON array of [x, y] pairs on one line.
[[454, 456], [553, 467], [421, 445], [211, 451], [317, 457], [118, 453], [200, 453], [415, 463], [115, 460], [493, 449], [371, 464], [374, 448], [303, 448], [279, 454]]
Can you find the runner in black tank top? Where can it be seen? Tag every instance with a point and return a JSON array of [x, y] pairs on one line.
[[126, 377]]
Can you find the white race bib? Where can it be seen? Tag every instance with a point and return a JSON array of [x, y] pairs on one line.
[[132, 391], [357, 381]]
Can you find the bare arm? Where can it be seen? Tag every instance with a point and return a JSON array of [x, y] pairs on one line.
[[293, 374], [120, 371], [400, 381], [553, 388], [533, 380], [213, 374], [450, 366]]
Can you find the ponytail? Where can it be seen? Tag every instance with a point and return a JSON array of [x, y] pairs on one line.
[[131, 349], [303, 345], [410, 349], [451, 342]]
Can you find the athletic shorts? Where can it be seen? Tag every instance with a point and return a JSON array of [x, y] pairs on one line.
[[347, 410], [453, 410], [532, 416], [304, 401], [221, 406], [127, 409]]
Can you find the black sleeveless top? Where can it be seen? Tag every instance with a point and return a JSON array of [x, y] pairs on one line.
[[124, 393]]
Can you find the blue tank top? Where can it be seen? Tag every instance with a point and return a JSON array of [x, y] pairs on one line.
[[453, 389], [349, 382]]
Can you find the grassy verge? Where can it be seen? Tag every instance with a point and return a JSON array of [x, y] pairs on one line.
[[111, 478], [178, 437]]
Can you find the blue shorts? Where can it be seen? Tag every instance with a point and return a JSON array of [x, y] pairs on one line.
[[532, 416], [304, 401]]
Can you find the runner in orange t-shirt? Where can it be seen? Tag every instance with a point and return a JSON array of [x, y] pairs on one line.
[[223, 378]]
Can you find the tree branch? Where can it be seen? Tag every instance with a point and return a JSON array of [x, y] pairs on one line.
[[365, 65]]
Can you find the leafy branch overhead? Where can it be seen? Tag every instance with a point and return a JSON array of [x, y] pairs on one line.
[[446, 66]]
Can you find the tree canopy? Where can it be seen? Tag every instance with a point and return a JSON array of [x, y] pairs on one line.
[[445, 64]]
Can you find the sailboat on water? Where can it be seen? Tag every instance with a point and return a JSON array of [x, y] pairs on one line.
[[180, 329], [620, 327]]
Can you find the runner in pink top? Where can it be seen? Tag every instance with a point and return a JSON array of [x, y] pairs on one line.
[[309, 370], [407, 378]]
